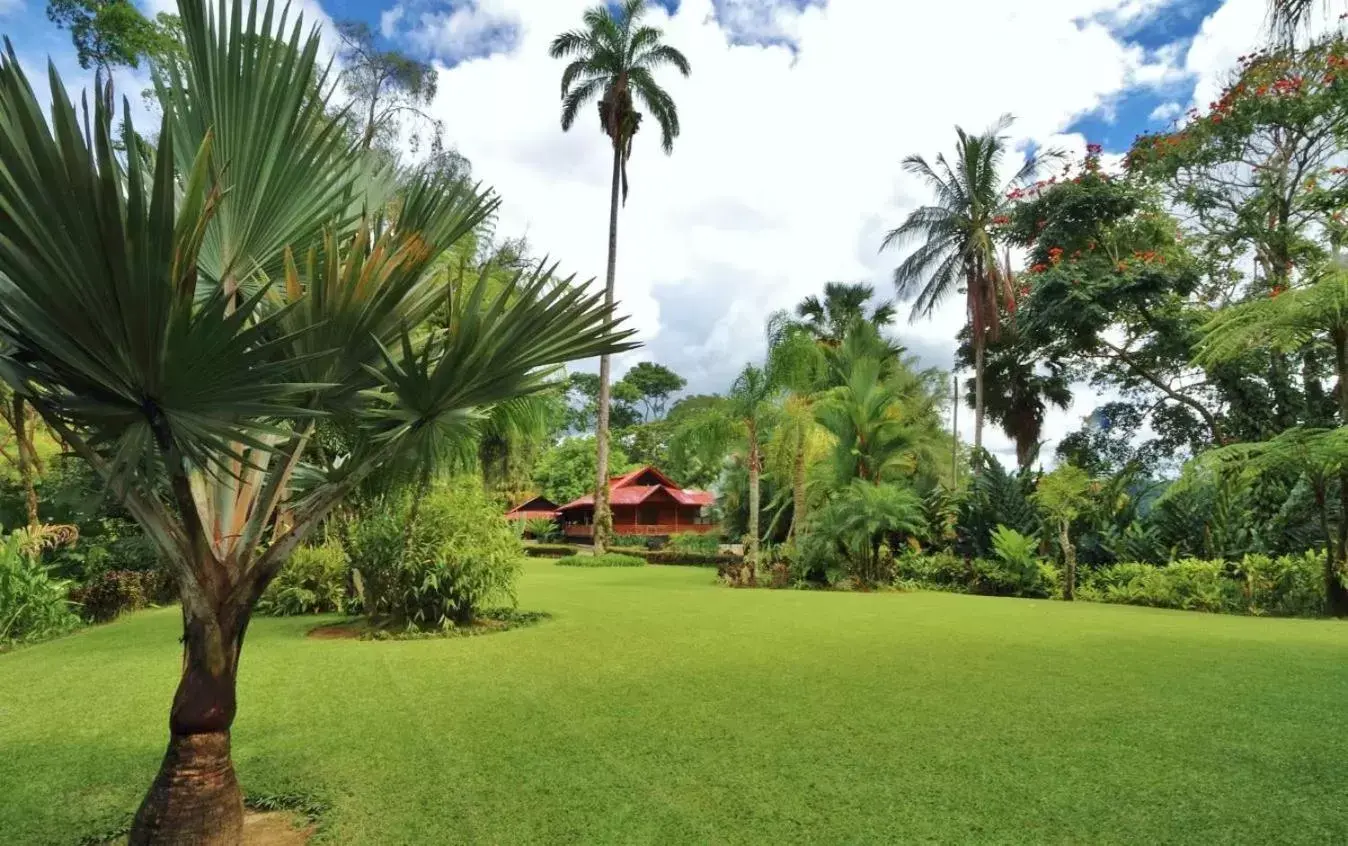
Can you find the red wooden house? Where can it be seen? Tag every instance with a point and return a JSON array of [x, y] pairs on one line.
[[540, 507], [644, 502]]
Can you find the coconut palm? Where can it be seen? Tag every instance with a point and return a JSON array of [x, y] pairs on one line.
[[182, 315], [956, 245], [613, 60]]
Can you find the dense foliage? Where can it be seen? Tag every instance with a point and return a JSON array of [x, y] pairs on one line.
[[606, 559], [33, 603], [434, 559]]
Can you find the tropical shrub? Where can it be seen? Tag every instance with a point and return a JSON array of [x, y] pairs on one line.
[[608, 559], [111, 593], [854, 532], [996, 497], [694, 543], [939, 570], [33, 604], [1015, 569], [1285, 586], [1290, 585], [548, 550], [633, 541], [543, 529], [434, 560], [312, 581]]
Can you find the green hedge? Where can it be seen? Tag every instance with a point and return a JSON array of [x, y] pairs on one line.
[[549, 550], [686, 559], [608, 559], [1286, 586]]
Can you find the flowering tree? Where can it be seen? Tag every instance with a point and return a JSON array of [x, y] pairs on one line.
[[1112, 287], [1259, 179]]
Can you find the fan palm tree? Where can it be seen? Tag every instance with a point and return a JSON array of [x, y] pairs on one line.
[[827, 319], [613, 60], [739, 421], [182, 315], [957, 246], [1024, 384]]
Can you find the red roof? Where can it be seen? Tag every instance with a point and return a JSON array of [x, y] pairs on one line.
[[537, 505], [623, 491]]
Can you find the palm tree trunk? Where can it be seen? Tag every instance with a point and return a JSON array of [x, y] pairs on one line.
[[979, 343], [603, 516], [1069, 554], [751, 556], [798, 488], [195, 798], [26, 456]]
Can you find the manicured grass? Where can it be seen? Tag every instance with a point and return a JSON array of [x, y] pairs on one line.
[[656, 707]]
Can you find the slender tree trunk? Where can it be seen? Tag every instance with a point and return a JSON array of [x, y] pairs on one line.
[[751, 557], [26, 456], [603, 517], [979, 344], [798, 487], [1069, 554], [1336, 596], [195, 798]]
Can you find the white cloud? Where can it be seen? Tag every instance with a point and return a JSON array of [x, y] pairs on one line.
[[388, 21], [466, 29], [787, 172], [1166, 111], [1235, 29], [9, 7]]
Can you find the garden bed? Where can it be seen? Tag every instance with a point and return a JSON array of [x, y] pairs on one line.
[[491, 622]]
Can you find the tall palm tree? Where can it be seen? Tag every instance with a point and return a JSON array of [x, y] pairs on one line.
[[739, 421], [181, 316], [613, 60], [957, 244]]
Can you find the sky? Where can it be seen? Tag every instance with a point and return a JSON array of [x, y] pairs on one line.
[[795, 120]]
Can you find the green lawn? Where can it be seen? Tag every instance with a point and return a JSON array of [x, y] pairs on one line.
[[656, 707]]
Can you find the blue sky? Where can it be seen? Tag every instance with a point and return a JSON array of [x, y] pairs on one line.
[[795, 121], [1114, 124]]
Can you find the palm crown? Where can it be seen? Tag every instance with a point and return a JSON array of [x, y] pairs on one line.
[[613, 60], [958, 246]]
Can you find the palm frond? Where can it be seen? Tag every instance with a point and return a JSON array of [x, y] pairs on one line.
[[284, 164]]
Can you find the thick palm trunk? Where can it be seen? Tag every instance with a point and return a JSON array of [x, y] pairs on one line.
[[1069, 554], [751, 550], [26, 454], [979, 344], [603, 517], [195, 798]]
